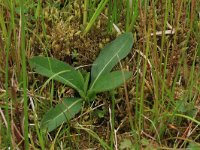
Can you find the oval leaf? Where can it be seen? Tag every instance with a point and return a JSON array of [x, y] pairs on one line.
[[110, 81], [59, 71], [110, 55], [61, 113]]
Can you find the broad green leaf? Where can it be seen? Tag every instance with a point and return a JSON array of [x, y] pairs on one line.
[[110, 81], [59, 71], [61, 113], [110, 55]]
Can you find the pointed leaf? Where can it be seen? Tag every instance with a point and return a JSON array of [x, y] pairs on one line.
[[110, 55], [110, 81], [87, 78], [61, 113], [59, 71]]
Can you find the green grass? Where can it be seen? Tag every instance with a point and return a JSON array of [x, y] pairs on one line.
[[157, 108], [24, 73]]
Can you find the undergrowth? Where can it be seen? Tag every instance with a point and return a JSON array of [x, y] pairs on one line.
[[158, 108]]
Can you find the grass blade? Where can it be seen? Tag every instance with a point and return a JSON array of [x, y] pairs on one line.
[[24, 73], [100, 7]]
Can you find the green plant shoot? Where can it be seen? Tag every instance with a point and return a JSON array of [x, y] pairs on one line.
[[102, 79]]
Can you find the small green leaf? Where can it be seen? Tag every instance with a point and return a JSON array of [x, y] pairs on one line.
[[61, 113], [110, 55], [186, 108], [193, 146], [126, 144], [145, 142], [110, 81], [100, 113], [87, 78], [59, 71], [91, 95]]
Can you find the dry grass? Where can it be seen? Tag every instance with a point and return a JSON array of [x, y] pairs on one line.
[[165, 79]]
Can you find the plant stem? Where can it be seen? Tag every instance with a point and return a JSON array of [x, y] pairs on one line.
[[24, 74], [112, 122], [85, 14], [9, 136]]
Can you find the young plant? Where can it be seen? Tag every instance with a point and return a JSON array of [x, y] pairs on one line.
[[101, 79]]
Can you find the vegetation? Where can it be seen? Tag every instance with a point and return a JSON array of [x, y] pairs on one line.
[[101, 79], [144, 53]]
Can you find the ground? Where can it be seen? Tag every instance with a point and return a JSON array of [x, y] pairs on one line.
[[165, 81]]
